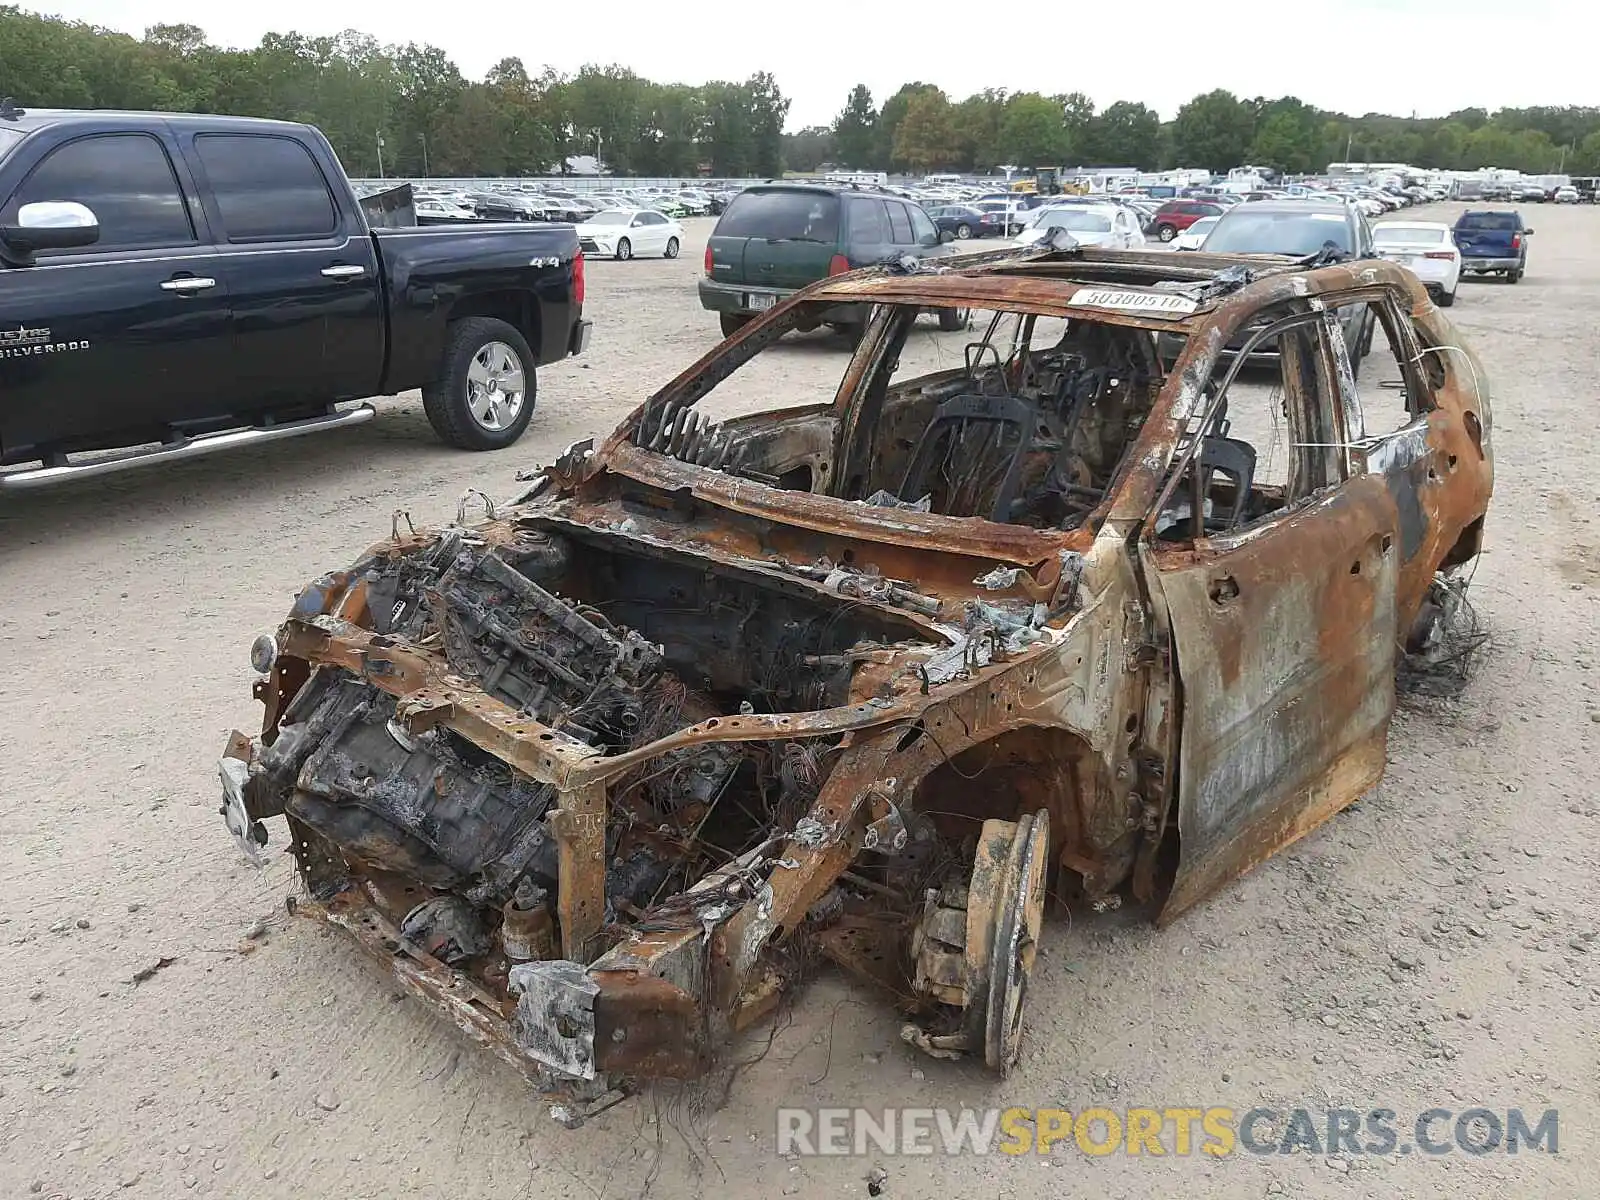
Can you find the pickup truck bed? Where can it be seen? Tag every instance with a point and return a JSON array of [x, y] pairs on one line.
[[192, 283], [1492, 242]]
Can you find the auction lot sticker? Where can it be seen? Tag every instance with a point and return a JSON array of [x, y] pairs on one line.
[[1157, 303]]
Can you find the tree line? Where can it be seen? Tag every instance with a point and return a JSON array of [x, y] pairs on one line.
[[920, 129], [411, 110], [408, 107]]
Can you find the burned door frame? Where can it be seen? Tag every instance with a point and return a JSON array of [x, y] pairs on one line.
[[1407, 459], [1281, 634]]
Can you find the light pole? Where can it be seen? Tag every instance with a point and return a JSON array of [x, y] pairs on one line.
[[425, 169], [380, 155]]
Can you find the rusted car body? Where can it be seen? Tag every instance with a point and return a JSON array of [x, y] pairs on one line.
[[605, 774]]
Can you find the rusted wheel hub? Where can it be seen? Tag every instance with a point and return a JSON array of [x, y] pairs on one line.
[[975, 947]]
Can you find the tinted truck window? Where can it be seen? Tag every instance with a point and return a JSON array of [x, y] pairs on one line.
[[125, 178], [1489, 220], [794, 215], [266, 187]]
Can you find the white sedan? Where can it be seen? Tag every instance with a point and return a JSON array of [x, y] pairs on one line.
[[1108, 225], [1428, 249], [1194, 237], [625, 232]]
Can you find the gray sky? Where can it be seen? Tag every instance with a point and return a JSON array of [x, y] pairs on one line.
[[1356, 56]]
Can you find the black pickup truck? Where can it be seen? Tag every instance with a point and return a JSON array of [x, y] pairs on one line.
[[172, 285]]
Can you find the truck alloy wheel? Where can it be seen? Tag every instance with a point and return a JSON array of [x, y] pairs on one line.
[[484, 395], [496, 386]]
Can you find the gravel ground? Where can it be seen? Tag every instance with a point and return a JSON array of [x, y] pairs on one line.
[[165, 1029]]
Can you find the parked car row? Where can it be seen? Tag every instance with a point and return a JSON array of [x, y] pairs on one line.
[[1479, 243], [543, 202]]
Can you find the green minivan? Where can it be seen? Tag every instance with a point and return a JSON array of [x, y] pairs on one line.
[[776, 238]]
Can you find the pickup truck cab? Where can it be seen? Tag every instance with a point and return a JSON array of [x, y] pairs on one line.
[[1492, 243], [172, 285]]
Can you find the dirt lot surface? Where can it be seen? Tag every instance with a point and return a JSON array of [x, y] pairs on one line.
[[1434, 946]]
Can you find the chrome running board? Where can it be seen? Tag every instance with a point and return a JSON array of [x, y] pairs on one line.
[[194, 447]]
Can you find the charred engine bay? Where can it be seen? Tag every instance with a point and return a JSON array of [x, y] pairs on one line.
[[613, 649]]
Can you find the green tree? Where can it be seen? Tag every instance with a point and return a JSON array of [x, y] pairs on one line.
[[855, 130], [1586, 159], [889, 118], [1288, 136], [809, 149], [1212, 131], [1126, 134], [976, 121], [925, 138], [769, 109], [533, 124], [1031, 133], [1077, 123]]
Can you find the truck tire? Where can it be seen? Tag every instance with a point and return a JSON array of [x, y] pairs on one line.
[[732, 323], [484, 394]]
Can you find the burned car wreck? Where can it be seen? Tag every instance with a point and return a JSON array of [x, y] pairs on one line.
[[606, 773]]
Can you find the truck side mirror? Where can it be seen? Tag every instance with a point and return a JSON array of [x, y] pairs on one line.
[[48, 225]]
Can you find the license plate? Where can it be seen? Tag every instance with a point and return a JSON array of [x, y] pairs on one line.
[[756, 302]]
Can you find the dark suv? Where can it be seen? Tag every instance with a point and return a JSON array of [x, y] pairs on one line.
[[1173, 217], [775, 239]]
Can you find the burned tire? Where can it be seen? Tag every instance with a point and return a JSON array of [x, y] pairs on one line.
[[483, 396], [732, 322], [975, 946], [1166, 232]]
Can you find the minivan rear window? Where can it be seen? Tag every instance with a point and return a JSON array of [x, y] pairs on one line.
[[801, 216]]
